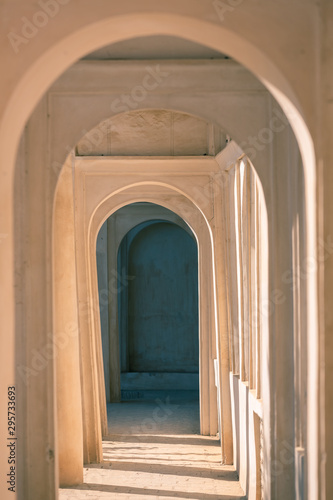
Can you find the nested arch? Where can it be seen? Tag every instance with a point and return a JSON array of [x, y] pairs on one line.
[[160, 252], [89, 218], [184, 208], [151, 131], [92, 209], [64, 52], [114, 280]]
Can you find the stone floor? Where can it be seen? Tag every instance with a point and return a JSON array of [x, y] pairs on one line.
[[164, 413], [153, 452]]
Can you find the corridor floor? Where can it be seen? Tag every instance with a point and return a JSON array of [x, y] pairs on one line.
[[153, 452]]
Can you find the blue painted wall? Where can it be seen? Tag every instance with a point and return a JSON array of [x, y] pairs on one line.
[[163, 300]]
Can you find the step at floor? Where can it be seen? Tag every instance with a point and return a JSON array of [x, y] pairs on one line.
[[153, 452]]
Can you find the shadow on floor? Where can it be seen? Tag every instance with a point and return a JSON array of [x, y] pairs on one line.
[[158, 493], [154, 451], [151, 438], [173, 470]]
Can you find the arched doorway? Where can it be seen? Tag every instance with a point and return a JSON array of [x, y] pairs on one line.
[[174, 310], [157, 327], [310, 161], [163, 301]]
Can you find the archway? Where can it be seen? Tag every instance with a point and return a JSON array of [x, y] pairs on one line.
[[114, 241], [93, 173], [207, 287], [163, 302], [274, 78], [159, 349]]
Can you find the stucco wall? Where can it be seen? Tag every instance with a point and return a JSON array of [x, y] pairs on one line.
[[281, 42]]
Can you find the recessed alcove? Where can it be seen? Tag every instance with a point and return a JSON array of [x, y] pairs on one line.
[[150, 256], [152, 132]]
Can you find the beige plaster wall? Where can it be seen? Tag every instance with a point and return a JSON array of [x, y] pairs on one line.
[[64, 124], [66, 339], [252, 34]]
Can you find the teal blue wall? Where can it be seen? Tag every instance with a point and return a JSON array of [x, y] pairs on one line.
[[162, 313]]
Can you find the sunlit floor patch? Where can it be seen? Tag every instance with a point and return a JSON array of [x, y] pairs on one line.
[[157, 465]]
